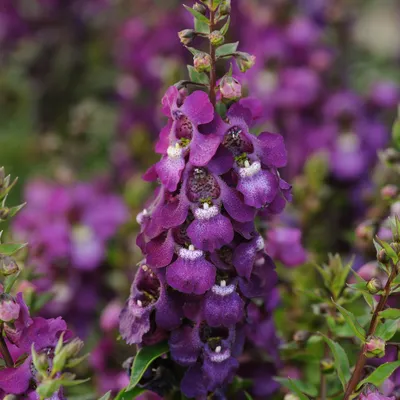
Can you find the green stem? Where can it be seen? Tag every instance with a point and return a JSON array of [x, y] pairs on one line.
[[213, 71], [362, 359]]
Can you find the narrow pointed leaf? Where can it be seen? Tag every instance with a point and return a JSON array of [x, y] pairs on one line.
[[351, 320], [226, 49], [387, 330], [107, 396], [9, 249], [143, 359], [342, 365], [199, 16], [379, 376], [390, 313]]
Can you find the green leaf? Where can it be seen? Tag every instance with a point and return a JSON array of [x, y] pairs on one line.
[[5, 192], [9, 282], [129, 395], [292, 385], [14, 210], [225, 28], [390, 313], [143, 359], [226, 49], [247, 395], [201, 27], [389, 251], [193, 50], [351, 320], [215, 4], [325, 274], [197, 15], [379, 376], [387, 330], [306, 388], [107, 396], [340, 276], [396, 134], [342, 365], [198, 77], [8, 249]]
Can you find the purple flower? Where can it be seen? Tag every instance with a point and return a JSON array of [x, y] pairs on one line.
[[44, 335], [148, 294], [374, 395], [284, 244]]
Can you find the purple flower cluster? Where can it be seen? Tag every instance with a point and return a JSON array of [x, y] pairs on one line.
[[68, 228], [296, 78], [21, 333], [204, 259]]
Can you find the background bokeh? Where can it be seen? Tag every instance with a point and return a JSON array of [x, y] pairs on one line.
[[80, 88]]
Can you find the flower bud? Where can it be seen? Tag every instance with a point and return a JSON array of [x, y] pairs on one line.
[[225, 7], [374, 347], [364, 231], [396, 247], [40, 362], [327, 366], [389, 192], [245, 61], [383, 257], [4, 213], [374, 286], [200, 8], [9, 308], [186, 36], [8, 266], [230, 88], [202, 62], [217, 38], [301, 337]]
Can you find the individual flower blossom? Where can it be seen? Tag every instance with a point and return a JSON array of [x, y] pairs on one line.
[[284, 244], [374, 395]]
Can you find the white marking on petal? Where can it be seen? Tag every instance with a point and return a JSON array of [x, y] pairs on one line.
[[246, 164], [223, 283], [191, 247], [206, 213], [223, 290], [251, 170], [189, 254], [218, 349], [174, 151], [139, 303], [206, 206], [220, 357], [145, 268], [260, 243]]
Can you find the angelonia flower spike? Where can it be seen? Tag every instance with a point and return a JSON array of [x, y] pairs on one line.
[[206, 278]]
